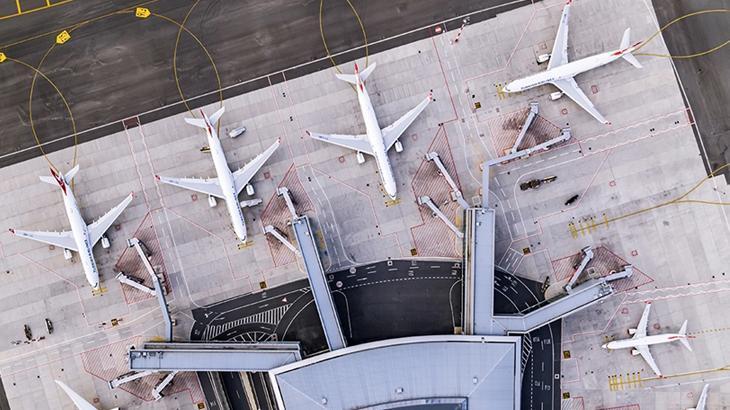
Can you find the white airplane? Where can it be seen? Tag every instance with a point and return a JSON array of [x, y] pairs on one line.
[[560, 71], [375, 141], [702, 402], [81, 238], [640, 341], [228, 184], [79, 401]]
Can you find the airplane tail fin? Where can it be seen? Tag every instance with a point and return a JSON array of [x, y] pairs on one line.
[[352, 78], [68, 177], [684, 340], [625, 44]]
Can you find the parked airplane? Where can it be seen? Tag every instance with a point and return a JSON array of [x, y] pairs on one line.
[[81, 238], [228, 184], [640, 341], [702, 402], [78, 401], [375, 141], [560, 71]]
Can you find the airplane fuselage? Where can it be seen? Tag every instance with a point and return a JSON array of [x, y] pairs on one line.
[[566, 71], [375, 138], [81, 237], [227, 182], [644, 341]]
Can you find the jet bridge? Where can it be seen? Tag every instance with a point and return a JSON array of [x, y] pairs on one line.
[[425, 200], [587, 256], [456, 194], [213, 356], [318, 283], [582, 296], [478, 297], [564, 136], [159, 291], [534, 110]]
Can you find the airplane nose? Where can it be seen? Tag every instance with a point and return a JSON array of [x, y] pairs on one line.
[[604, 346]]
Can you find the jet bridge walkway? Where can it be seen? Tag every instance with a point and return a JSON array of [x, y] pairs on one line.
[[318, 283], [215, 357], [478, 297]]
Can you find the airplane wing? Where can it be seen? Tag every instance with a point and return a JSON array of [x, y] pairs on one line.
[[78, 401], [244, 175], [646, 354], [207, 186], [101, 225], [702, 402], [392, 132], [571, 89], [354, 142], [641, 328], [61, 239], [559, 55]]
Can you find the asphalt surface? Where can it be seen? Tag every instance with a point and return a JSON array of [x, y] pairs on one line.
[[540, 385], [117, 66], [383, 301], [705, 78]]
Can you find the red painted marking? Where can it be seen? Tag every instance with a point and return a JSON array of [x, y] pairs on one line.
[[357, 70], [617, 53], [59, 180], [362, 88]]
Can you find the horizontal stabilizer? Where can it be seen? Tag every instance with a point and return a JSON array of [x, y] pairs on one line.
[[71, 174], [367, 71], [350, 78], [48, 180], [217, 115], [624, 47], [197, 122], [684, 340], [631, 59], [626, 39]]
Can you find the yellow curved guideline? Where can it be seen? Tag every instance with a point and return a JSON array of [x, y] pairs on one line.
[[679, 200], [182, 27], [676, 20], [81, 24], [324, 40], [30, 111]]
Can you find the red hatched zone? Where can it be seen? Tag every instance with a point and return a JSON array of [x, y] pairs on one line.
[[277, 214], [604, 262], [430, 236], [131, 264], [505, 129], [110, 361]]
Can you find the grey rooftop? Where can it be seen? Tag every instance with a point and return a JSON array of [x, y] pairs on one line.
[[484, 371]]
